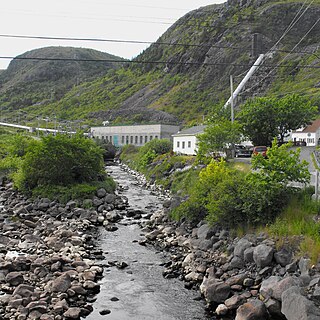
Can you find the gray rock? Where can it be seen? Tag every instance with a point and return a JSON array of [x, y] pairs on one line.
[[23, 290], [248, 255], [72, 313], [297, 307], [274, 309], [62, 283], [14, 278], [221, 310], [252, 310], [101, 193], [241, 246], [283, 257], [234, 302], [214, 290], [267, 286], [236, 263], [262, 255], [205, 232], [304, 265], [282, 286]]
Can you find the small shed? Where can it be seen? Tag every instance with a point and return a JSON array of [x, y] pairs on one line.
[[309, 135], [185, 141]]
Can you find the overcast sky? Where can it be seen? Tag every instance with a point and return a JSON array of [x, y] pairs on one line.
[[142, 20]]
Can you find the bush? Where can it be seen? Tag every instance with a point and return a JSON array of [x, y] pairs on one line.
[[60, 161]]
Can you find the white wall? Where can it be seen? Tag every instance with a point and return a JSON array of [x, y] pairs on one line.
[[310, 138], [185, 144]]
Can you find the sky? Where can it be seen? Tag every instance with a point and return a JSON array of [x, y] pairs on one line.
[[138, 20]]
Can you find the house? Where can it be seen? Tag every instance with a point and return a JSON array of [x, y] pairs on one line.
[[309, 135], [133, 134], [185, 141]]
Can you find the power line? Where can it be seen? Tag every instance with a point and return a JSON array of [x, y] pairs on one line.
[[142, 42], [157, 62]]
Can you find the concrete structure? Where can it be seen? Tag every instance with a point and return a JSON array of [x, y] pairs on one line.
[[309, 134], [185, 141], [134, 134]]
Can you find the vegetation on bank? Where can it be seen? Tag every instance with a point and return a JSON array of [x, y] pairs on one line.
[[60, 167], [257, 196]]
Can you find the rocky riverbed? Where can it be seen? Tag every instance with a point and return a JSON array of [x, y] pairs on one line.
[[51, 262]]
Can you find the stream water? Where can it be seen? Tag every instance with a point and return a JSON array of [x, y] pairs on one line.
[[139, 291]]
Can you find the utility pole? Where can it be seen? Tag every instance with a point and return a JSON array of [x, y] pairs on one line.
[[232, 113]]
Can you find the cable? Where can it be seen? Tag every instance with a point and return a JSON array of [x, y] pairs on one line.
[[153, 62], [140, 42]]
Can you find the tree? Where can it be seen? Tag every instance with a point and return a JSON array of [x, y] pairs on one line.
[[218, 135], [263, 119]]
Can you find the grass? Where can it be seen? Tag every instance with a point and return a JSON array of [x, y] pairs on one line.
[[297, 226]]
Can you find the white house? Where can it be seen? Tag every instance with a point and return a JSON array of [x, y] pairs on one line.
[[309, 134], [185, 141], [133, 134]]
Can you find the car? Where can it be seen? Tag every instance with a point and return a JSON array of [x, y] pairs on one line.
[[241, 151], [260, 150]]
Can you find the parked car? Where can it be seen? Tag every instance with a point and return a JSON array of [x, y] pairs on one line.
[[260, 150], [241, 151]]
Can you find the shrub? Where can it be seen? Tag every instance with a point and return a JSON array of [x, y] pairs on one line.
[[60, 161]]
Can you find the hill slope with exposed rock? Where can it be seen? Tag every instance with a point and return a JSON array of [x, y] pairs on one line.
[[181, 76]]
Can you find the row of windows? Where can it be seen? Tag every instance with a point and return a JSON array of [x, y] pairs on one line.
[[130, 139], [183, 144]]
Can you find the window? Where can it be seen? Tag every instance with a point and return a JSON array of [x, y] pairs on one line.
[[189, 144], [122, 139], [151, 137], [136, 140], [110, 139], [131, 139], [127, 139], [141, 139], [156, 137], [145, 139], [183, 144], [178, 144]]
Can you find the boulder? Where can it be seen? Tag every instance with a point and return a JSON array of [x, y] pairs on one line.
[[215, 290], [297, 307], [62, 283], [252, 310], [205, 232], [263, 255], [283, 257], [240, 247], [14, 278]]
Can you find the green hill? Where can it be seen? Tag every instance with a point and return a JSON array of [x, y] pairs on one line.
[[181, 76]]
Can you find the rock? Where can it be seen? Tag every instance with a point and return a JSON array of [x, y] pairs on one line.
[[252, 310], [214, 290], [62, 283], [14, 278], [236, 263], [105, 312], [262, 255], [221, 310], [234, 302], [283, 257], [205, 232], [72, 313], [248, 255], [297, 307], [267, 286], [23, 290], [240, 247], [40, 306], [282, 286], [304, 265], [101, 193], [274, 309]]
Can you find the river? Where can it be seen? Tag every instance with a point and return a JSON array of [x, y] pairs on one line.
[[139, 291]]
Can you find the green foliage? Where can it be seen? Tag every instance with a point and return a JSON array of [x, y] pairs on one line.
[[60, 161], [263, 119], [151, 150], [77, 192], [217, 136], [282, 166], [228, 196]]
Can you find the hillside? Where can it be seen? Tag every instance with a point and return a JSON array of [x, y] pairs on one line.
[[27, 82], [186, 72]]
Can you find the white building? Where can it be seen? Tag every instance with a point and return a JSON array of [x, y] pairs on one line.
[[185, 141], [310, 135], [134, 134]]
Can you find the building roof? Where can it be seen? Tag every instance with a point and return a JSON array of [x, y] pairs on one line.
[[190, 131], [313, 127]]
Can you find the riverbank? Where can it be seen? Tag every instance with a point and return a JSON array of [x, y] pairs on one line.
[[252, 277]]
